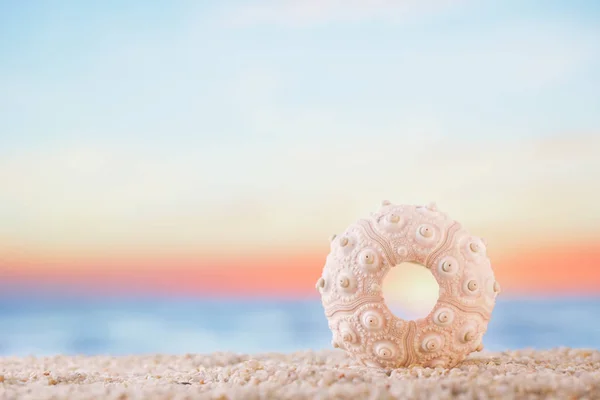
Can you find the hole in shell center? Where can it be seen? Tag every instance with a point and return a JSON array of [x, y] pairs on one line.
[[410, 291]]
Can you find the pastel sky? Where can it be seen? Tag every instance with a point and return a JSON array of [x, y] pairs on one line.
[[201, 133]]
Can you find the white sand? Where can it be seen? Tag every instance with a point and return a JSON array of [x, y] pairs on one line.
[[561, 373]]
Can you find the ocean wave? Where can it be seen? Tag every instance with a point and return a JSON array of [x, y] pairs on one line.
[[195, 326]]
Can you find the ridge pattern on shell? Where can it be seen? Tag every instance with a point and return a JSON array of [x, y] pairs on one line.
[[359, 260]]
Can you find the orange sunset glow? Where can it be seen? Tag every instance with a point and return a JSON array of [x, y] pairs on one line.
[[557, 270]]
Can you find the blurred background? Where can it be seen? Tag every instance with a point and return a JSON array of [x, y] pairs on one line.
[[170, 172]]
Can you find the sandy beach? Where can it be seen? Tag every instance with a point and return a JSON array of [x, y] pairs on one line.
[[561, 373]]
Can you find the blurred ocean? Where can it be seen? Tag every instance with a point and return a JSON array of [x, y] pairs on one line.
[[75, 325]]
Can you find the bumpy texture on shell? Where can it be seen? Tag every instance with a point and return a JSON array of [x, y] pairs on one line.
[[359, 260]]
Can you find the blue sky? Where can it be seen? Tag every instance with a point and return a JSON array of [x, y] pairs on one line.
[[506, 68], [146, 112]]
